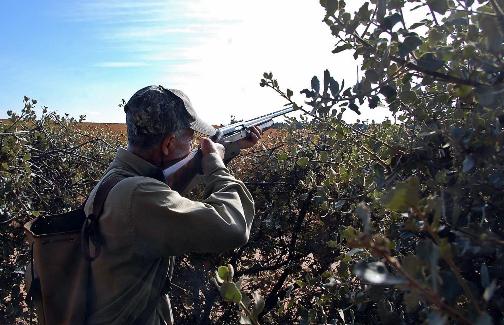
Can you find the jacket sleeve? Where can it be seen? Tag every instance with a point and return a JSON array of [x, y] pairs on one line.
[[232, 150], [168, 224]]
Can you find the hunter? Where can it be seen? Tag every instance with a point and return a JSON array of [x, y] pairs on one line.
[[145, 223]]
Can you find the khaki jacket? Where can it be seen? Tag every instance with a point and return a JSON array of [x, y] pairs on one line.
[[145, 222]]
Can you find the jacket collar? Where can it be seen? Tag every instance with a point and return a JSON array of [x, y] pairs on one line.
[[131, 163]]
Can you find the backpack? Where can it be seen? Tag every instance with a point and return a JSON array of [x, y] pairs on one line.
[[58, 273]]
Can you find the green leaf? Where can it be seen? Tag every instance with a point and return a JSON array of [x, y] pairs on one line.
[[341, 48], [485, 278], [490, 290], [364, 214], [223, 273], [230, 292], [409, 44], [381, 9], [411, 300], [462, 90], [395, 4], [354, 108], [315, 84], [349, 233], [372, 75], [408, 97], [468, 164], [303, 162], [373, 101], [439, 6], [332, 244], [390, 21], [389, 92], [327, 78], [403, 196], [412, 265], [330, 5], [428, 252], [429, 61], [282, 156], [416, 25], [437, 34], [364, 12], [334, 87]]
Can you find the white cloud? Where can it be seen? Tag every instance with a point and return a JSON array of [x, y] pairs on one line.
[[285, 37], [217, 50]]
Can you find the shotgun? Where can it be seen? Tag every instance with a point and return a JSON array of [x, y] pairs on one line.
[[179, 175]]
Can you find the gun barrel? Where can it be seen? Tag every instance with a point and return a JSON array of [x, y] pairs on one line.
[[238, 127], [243, 133]]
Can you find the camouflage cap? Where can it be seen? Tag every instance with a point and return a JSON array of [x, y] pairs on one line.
[[155, 110]]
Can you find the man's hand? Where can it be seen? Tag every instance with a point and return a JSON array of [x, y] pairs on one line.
[[208, 147], [252, 139]]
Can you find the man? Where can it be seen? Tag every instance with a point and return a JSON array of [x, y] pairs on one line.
[[145, 222]]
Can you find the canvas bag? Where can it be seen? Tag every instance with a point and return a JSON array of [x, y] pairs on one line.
[[57, 276]]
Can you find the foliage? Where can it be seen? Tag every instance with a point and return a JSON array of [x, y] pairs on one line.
[[399, 220], [355, 223], [48, 164]]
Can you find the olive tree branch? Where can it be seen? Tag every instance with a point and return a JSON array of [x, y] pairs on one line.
[[297, 107], [273, 296], [433, 15], [448, 260], [413, 66], [428, 293]]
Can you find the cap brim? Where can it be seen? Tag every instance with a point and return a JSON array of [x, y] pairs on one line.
[[199, 126]]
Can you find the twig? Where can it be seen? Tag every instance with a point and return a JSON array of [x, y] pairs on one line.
[[271, 300], [433, 15], [375, 156], [257, 269], [369, 24], [435, 74], [14, 133]]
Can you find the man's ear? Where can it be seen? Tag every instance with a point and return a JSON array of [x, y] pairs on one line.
[[166, 144]]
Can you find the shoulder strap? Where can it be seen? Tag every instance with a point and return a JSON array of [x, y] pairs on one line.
[[89, 230]]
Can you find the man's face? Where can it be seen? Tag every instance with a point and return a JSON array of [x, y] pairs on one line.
[[181, 145]]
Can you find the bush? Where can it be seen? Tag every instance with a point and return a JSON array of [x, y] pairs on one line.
[[396, 220], [49, 164], [356, 223]]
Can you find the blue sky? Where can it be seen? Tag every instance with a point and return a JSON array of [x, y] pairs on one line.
[[83, 57]]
